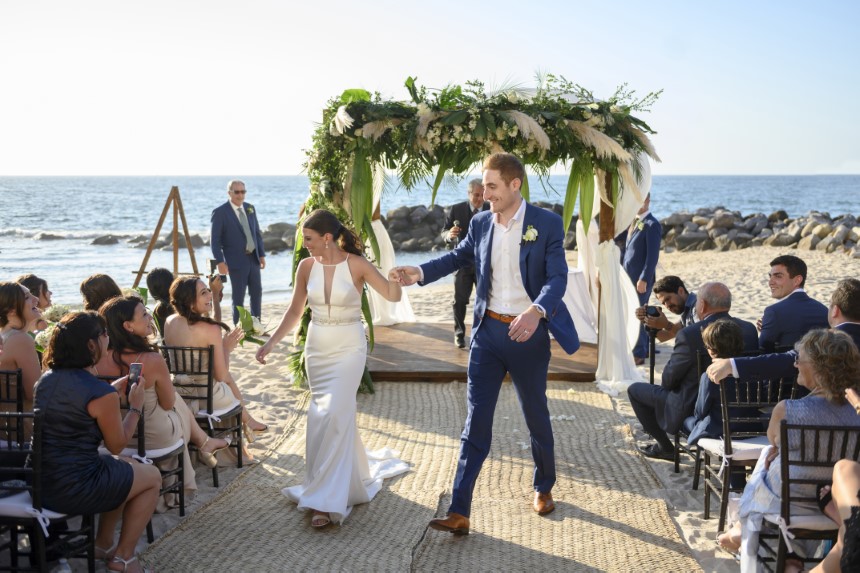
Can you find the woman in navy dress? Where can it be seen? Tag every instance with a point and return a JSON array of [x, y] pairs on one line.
[[80, 411]]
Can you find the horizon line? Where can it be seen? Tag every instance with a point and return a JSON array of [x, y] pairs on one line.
[[464, 175]]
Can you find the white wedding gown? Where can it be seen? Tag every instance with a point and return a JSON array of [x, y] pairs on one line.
[[337, 473]]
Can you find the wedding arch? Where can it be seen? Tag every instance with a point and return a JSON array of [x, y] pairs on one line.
[[366, 142]]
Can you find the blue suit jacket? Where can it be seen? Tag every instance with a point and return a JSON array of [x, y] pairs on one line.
[[543, 269], [681, 375], [785, 322], [781, 364], [228, 238], [641, 251]]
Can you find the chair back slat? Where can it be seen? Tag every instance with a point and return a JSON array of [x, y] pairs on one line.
[[191, 361], [746, 406], [808, 454]]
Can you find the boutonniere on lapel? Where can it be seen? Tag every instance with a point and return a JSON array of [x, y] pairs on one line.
[[530, 235], [640, 224], [249, 210]]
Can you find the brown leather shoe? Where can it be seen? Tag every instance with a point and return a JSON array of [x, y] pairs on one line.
[[543, 503], [454, 523]]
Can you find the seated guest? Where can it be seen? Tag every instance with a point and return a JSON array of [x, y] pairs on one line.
[[19, 308], [98, 289], [722, 339], [844, 509], [662, 409], [39, 288], [828, 364], [79, 412], [167, 418], [191, 326], [672, 294], [786, 321], [158, 282], [843, 314]]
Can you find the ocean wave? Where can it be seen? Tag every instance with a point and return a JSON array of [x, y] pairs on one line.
[[57, 234]]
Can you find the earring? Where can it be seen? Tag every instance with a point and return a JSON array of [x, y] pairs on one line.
[[326, 244]]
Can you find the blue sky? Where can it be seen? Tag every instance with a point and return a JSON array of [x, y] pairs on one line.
[[217, 87]]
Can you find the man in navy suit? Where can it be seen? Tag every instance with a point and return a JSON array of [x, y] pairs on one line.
[[237, 247], [662, 409], [464, 279], [786, 321], [518, 254], [639, 259], [843, 314]]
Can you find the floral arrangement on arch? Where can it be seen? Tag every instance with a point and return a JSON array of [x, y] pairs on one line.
[[363, 138]]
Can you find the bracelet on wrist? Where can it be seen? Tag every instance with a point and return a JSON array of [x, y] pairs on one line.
[[137, 411]]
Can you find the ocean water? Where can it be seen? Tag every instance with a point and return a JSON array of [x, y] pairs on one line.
[[78, 209]]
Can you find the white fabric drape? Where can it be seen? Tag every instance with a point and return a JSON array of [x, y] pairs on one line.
[[615, 367], [384, 312]]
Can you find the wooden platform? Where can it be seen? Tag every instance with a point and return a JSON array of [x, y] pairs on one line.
[[421, 351]]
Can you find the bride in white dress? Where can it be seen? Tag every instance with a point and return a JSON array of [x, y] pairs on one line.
[[338, 474]]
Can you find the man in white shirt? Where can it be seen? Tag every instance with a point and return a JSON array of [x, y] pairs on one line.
[[521, 272]]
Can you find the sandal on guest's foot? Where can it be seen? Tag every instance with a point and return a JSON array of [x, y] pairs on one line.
[[320, 519], [117, 560], [208, 458], [104, 554]]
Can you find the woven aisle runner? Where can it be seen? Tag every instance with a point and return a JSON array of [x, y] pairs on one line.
[[604, 520]]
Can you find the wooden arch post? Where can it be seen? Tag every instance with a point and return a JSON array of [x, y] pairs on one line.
[[178, 214], [606, 232]]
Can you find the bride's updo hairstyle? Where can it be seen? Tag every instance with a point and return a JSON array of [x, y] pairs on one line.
[[69, 345], [183, 296], [323, 222]]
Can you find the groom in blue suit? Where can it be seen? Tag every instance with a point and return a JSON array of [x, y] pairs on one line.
[[237, 247], [521, 275]]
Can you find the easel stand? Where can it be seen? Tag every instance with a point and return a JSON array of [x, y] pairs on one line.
[[178, 213]]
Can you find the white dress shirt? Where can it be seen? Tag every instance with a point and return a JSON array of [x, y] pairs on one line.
[[507, 292]]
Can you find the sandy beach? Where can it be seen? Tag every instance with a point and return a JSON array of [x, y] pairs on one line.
[[272, 397]]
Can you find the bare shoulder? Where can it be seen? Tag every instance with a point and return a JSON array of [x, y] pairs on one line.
[[18, 339]]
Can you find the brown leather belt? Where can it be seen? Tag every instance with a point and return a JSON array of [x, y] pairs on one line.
[[506, 318]]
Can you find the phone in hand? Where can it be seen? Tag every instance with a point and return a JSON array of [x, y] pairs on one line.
[[213, 270], [134, 372]]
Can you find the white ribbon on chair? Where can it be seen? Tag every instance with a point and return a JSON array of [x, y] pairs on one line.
[[211, 417], [142, 459], [41, 518], [786, 533], [724, 465]]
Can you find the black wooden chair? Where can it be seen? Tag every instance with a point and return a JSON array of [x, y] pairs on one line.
[[21, 509], [12, 397], [746, 407], [806, 463], [193, 378], [703, 360], [157, 456]]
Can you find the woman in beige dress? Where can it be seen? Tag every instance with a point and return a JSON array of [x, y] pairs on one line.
[[167, 418], [191, 326]]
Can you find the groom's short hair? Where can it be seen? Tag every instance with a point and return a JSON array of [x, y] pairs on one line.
[[670, 284], [234, 182], [508, 165]]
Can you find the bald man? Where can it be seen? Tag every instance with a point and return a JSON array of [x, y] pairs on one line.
[[662, 409]]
